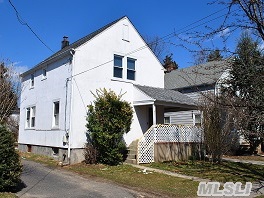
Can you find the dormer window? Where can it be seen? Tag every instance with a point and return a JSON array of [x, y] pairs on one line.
[[118, 66]]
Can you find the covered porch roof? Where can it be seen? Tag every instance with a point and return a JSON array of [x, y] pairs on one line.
[[170, 99]]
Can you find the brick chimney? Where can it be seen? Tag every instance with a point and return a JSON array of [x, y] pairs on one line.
[[65, 42]]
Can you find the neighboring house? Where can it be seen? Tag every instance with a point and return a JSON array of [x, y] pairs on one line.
[[56, 91], [193, 81]]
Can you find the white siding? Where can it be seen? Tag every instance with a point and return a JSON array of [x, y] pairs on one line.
[[186, 117]]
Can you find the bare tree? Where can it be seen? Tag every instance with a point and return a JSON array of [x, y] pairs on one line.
[[9, 90], [157, 45], [218, 123]]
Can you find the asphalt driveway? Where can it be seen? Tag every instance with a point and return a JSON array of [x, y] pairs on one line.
[[41, 182]]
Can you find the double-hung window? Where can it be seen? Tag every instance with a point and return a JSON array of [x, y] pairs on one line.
[[131, 69], [56, 113], [31, 117], [118, 66]]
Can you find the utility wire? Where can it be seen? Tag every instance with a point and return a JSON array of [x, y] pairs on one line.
[[168, 36], [22, 22]]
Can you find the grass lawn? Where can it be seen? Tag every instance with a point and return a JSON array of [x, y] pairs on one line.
[[128, 176], [7, 195], [224, 172], [39, 158], [249, 157], [133, 177]]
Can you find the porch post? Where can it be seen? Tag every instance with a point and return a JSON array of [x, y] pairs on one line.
[[154, 114]]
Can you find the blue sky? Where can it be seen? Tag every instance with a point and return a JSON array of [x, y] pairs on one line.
[[52, 19]]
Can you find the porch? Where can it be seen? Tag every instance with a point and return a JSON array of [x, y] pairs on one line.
[[150, 104]]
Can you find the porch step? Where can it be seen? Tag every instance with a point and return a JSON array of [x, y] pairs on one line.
[[132, 156], [132, 153], [131, 161]]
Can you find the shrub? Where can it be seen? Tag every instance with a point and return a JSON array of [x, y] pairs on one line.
[[108, 119], [10, 167], [90, 154]]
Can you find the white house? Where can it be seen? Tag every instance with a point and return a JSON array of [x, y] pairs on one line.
[[56, 91]]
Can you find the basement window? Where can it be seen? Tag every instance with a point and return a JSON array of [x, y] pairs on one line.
[[55, 151], [29, 148]]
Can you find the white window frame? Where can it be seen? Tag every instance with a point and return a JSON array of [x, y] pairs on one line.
[[194, 119], [133, 70], [32, 80], [56, 115], [30, 117], [118, 67]]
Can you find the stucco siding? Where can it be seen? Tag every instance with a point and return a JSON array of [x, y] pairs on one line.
[[42, 95], [100, 52]]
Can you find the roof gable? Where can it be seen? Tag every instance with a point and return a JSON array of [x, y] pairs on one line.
[[66, 50], [199, 75]]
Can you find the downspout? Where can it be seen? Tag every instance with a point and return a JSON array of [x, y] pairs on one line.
[[66, 139]]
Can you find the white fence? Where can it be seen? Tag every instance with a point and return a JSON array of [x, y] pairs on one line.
[[165, 133]]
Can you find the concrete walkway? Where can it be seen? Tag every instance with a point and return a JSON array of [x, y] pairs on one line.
[[169, 173]]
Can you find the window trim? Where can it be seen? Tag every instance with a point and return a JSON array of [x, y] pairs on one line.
[[194, 121], [118, 67], [55, 119], [30, 119], [134, 70]]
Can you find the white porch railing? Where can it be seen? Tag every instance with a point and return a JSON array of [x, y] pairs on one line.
[[165, 133]]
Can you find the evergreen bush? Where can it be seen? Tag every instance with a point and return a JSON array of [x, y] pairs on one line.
[[10, 167], [108, 119]]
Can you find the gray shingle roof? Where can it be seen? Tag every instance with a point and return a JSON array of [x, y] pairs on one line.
[[74, 45], [166, 95], [205, 74]]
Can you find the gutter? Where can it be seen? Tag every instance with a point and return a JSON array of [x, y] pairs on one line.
[[47, 61]]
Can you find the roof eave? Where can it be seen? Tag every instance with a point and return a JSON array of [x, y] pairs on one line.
[[45, 62]]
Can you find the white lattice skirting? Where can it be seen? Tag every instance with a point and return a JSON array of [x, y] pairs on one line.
[[165, 133]]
